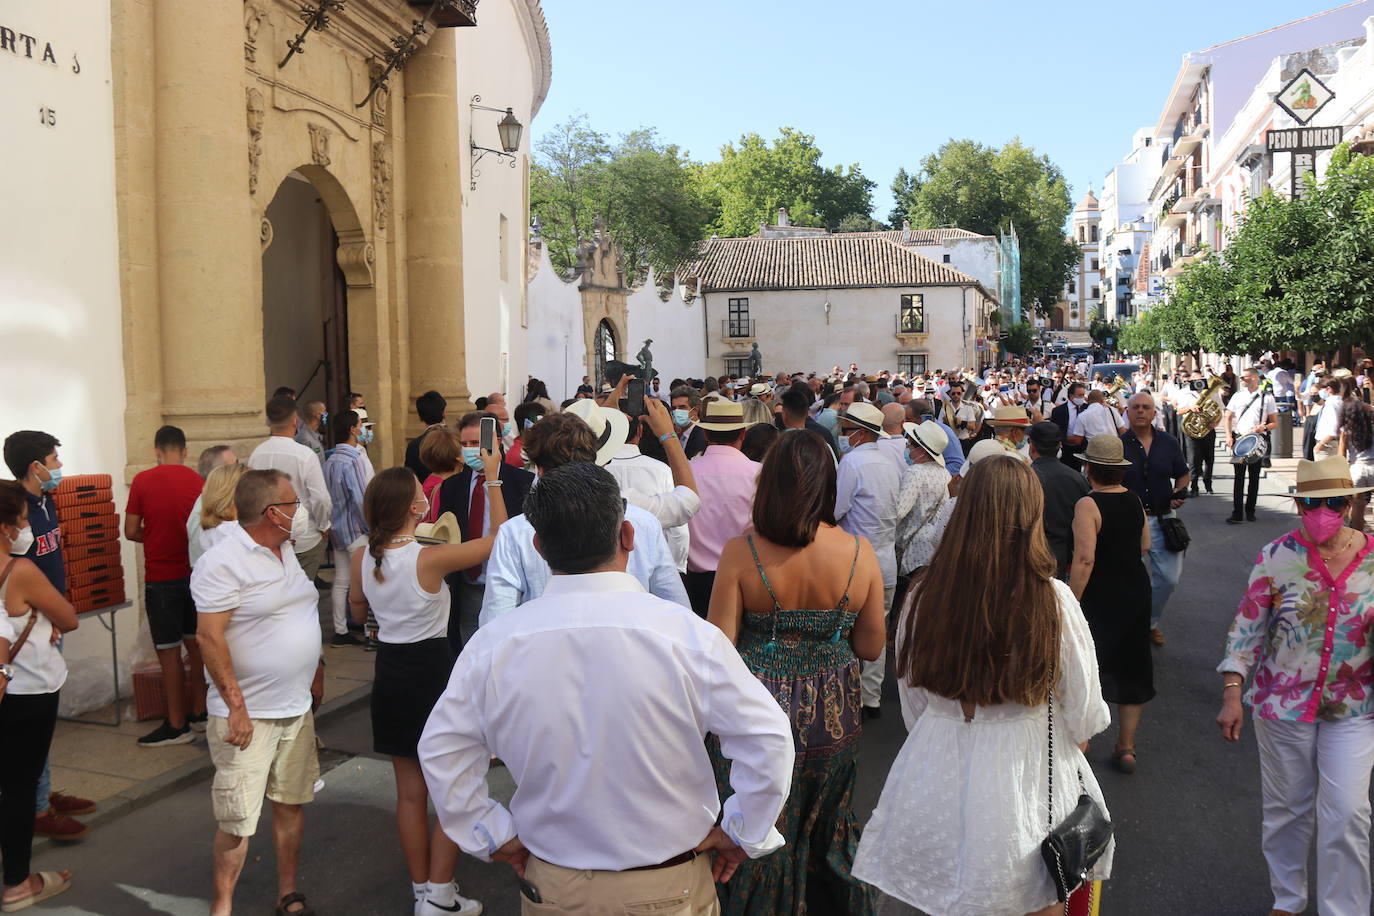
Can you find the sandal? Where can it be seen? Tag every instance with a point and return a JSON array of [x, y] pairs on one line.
[[54, 883], [1122, 764], [291, 899]]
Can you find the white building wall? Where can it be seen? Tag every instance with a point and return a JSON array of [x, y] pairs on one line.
[[794, 334], [501, 60], [59, 257], [674, 325], [555, 346]]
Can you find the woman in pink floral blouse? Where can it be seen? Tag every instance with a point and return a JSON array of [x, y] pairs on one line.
[[1304, 628]]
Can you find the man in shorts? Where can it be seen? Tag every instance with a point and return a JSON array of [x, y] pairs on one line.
[[160, 499], [260, 634]]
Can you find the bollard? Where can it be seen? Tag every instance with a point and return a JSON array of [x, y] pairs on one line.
[[1283, 435]]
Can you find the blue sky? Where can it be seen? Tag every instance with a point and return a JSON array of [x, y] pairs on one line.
[[883, 83]]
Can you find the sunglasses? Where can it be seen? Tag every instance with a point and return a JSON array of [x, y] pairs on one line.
[[1331, 502]]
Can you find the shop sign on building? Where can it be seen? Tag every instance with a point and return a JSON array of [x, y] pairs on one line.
[[1304, 96], [1303, 143]]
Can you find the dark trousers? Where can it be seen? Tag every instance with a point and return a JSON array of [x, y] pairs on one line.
[[1202, 458], [26, 722], [1250, 498], [699, 585], [1309, 436]]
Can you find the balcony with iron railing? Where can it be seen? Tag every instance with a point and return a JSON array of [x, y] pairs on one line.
[[737, 329], [911, 328]]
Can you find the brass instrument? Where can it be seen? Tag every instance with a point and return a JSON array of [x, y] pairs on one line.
[[1113, 392], [1201, 420]]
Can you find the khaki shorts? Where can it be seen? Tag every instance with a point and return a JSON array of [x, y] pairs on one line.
[[683, 890], [280, 763]]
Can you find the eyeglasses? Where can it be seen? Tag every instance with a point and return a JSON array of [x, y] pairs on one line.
[[1332, 502], [294, 502]]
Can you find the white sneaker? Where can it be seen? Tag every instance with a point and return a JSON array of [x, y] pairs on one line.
[[462, 906]]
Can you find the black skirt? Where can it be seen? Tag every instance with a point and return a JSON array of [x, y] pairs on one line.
[[409, 679]]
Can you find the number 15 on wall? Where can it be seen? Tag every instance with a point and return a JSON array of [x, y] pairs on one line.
[[47, 116]]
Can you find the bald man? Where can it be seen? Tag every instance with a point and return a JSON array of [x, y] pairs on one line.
[[894, 415]]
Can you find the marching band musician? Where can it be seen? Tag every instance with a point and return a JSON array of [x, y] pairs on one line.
[[1250, 410]]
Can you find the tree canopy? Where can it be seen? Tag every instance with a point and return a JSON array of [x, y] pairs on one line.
[[987, 190]]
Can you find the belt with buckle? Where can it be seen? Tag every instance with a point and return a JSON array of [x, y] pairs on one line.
[[681, 859]]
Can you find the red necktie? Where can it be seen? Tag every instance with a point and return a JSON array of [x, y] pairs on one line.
[[477, 510]]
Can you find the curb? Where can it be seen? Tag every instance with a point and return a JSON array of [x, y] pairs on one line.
[[148, 791]]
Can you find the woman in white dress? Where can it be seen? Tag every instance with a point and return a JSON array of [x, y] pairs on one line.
[[958, 828]]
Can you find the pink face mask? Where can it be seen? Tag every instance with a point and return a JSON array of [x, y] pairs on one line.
[[1322, 524]]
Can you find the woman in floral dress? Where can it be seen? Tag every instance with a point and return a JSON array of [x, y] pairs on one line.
[[803, 601], [1304, 629]]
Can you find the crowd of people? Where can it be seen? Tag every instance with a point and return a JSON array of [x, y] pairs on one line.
[[670, 618]]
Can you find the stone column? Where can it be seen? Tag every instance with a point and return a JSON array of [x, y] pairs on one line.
[[210, 305], [434, 227]]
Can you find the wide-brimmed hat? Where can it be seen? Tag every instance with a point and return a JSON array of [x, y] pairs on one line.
[[1326, 477], [987, 448], [929, 437], [869, 417], [722, 416], [1106, 450], [1009, 415], [760, 389], [443, 530], [609, 425]]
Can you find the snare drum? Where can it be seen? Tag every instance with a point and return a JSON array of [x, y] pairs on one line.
[[1250, 449]]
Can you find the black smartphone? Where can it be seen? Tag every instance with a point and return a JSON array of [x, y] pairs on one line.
[[634, 398], [488, 441], [529, 891]]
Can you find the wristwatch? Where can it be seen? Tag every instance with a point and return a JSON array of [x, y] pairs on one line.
[[7, 672]]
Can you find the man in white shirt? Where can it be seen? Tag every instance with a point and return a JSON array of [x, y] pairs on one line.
[[516, 572], [617, 801], [962, 417], [1250, 410], [866, 488], [259, 632], [1098, 418], [281, 452]]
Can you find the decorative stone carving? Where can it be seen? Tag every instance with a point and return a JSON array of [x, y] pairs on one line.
[[381, 97], [356, 257], [381, 184], [254, 11], [257, 112], [319, 144], [265, 234]]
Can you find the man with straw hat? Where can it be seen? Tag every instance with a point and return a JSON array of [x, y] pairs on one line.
[[867, 485], [1302, 629], [725, 480], [1009, 424]]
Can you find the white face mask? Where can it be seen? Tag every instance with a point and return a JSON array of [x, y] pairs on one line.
[[22, 542], [1078, 402], [300, 522]]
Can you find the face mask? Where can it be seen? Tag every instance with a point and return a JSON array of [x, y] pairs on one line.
[[300, 522], [423, 512], [365, 437], [1078, 402], [22, 542], [681, 418], [1322, 524], [910, 458], [472, 457], [53, 480], [1326, 394], [324, 418], [508, 430], [845, 445]]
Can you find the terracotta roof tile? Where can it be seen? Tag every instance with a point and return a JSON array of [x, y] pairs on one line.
[[827, 262], [917, 236]]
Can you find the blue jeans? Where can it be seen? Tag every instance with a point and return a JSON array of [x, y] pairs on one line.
[[1165, 569]]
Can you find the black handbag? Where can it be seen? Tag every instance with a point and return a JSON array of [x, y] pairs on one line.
[[1073, 848], [1176, 536]]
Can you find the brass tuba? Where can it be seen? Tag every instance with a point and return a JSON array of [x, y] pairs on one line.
[[1204, 418], [1113, 392]]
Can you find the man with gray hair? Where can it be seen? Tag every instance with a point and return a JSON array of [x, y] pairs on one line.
[[618, 801], [259, 631]]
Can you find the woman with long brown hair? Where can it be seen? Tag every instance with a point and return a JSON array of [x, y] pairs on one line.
[[803, 602], [403, 584], [987, 640]]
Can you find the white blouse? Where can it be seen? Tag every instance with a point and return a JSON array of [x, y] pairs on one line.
[[38, 666], [982, 855], [405, 612]]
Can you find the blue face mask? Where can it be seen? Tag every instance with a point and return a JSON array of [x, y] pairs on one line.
[[681, 418], [845, 445], [508, 429], [907, 455], [472, 457], [324, 418], [51, 483], [365, 437]]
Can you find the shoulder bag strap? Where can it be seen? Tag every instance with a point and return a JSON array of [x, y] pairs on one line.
[[33, 613]]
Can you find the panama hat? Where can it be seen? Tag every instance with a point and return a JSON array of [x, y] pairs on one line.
[[609, 425], [929, 437], [986, 448], [867, 416], [1326, 477], [1106, 450], [1009, 415], [723, 417], [760, 389], [444, 530]]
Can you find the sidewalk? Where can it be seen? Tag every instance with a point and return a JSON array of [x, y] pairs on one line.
[[107, 766]]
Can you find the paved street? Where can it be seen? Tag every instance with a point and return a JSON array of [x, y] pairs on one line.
[[1187, 822]]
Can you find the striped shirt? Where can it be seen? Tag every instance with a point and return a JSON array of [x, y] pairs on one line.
[[346, 473]]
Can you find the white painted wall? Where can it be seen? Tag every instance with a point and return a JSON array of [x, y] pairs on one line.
[[500, 60], [59, 257], [679, 347], [794, 335], [555, 348]]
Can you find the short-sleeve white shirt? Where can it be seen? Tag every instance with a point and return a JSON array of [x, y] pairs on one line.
[[1250, 410], [1096, 420]]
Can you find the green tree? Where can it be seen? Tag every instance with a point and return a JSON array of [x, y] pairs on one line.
[[644, 190], [1140, 335], [1020, 338], [1100, 330], [901, 193], [753, 179], [859, 222], [986, 190]]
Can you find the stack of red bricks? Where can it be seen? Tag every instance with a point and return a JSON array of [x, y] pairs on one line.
[[90, 541]]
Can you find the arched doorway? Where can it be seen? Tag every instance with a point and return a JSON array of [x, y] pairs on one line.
[[1057, 318], [304, 298], [604, 349]]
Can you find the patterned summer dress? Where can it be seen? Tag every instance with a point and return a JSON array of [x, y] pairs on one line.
[[804, 659]]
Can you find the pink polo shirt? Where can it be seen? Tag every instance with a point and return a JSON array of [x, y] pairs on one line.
[[725, 481]]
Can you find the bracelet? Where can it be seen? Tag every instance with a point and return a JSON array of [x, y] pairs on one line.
[[491, 483], [665, 437]]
